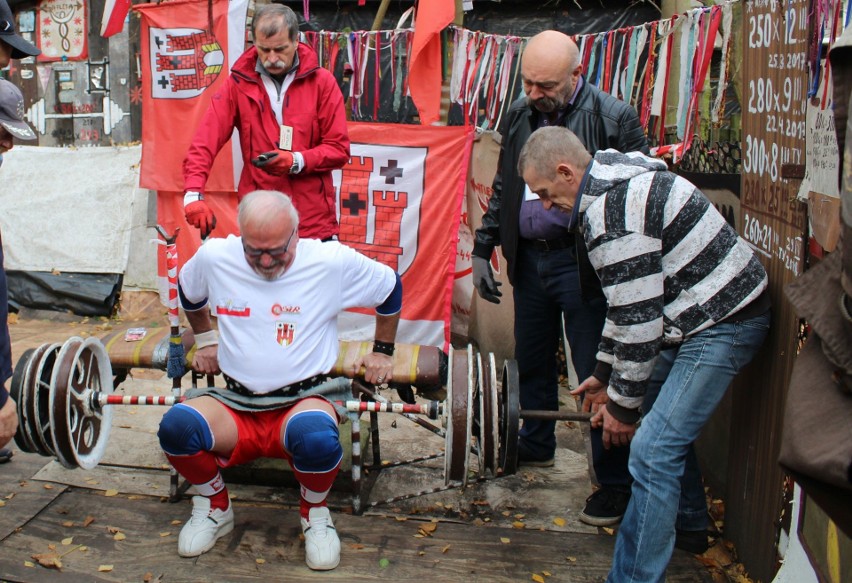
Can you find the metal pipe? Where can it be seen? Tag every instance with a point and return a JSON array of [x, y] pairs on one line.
[[555, 415]]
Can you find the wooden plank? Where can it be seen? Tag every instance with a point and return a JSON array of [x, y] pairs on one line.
[[373, 548], [20, 497], [775, 42]]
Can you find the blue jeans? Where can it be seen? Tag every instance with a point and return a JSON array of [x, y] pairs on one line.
[[692, 508], [703, 368], [547, 289]]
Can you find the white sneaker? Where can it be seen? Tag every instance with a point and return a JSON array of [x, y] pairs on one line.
[[204, 527], [322, 546]]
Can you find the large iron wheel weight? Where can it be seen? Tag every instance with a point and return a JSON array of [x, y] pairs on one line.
[[80, 430]]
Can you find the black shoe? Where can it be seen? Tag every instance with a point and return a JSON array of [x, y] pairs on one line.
[[691, 541], [605, 507], [5, 455], [526, 458]]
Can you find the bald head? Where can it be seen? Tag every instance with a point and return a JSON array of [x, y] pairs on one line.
[[267, 210], [550, 68]]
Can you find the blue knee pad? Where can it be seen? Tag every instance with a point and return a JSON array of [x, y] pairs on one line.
[[313, 440], [184, 431]]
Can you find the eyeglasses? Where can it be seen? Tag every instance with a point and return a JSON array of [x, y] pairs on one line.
[[276, 253]]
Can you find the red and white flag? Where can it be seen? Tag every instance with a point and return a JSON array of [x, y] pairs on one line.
[[399, 201], [115, 13], [185, 59]]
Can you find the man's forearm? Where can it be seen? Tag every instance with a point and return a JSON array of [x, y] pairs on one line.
[[386, 327], [199, 320]]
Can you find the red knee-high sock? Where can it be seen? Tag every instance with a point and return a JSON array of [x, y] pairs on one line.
[[314, 488], [201, 471]]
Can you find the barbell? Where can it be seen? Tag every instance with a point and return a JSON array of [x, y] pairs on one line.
[[65, 393]]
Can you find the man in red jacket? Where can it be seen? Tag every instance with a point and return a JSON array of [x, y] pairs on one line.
[[290, 115]]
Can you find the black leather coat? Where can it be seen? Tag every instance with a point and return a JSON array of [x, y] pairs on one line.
[[599, 120]]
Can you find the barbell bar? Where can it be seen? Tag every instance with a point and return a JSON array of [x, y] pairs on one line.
[[65, 395]]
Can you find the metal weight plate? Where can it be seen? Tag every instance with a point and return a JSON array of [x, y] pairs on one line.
[[489, 436], [81, 435], [456, 448], [479, 405], [30, 386], [447, 419], [40, 400], [18, 393], [510, 417], [470, 411], [60, 415]]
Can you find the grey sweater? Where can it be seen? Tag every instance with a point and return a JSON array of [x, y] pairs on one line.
[[669, 263]]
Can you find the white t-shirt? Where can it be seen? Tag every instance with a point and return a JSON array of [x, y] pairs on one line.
[[275, 333]]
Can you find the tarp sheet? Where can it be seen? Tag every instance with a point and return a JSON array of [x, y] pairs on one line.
[[67, 209]]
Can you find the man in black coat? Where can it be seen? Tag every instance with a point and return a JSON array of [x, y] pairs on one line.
[[551, 277]]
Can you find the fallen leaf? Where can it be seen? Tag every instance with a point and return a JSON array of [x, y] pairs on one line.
[[91, 481], [518, 524], [51, 546], [119, 536], [505, 540], [104, 568], [401, 518], [260, 561], [418, 535], [89, 520], [445, 549], [421, 553], [165, 534], [546, 573], [49, 560], [519, 516], [12, 495], [83, 548], [176, 522], [111, 493], [48, 486], [429, 527], [571, 559], [537, 578], [68, 523], [609, 531], [559, 521], [383, 563], [2, 503], [135, 497], [147, 578], [505, 513], [113, 529], [68, 541], [29, 564]]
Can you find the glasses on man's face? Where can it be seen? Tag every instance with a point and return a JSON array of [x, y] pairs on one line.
[[276, 253]]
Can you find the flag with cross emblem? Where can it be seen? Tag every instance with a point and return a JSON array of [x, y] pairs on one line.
[[187, 53]]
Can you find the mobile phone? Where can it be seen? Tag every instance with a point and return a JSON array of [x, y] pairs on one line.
[[264, 158]]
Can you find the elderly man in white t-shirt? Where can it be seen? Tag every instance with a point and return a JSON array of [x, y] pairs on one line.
[[276, 298]]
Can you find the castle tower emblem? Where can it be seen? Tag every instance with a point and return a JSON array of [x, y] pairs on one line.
[[379, 192], [184, 62]]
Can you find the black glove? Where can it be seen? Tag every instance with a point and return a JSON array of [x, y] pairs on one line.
[[483, 280]]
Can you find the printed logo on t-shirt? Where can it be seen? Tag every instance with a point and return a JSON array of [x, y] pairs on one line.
[[237, 308], [278, 309], [284, 332]]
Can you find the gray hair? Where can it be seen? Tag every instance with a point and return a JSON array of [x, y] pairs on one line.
[[550, 146], [270, 19], [263, 207]]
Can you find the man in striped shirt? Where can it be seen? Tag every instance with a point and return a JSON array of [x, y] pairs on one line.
[[688, 308]]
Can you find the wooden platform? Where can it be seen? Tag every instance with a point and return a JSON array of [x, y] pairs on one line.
[[500, 529]]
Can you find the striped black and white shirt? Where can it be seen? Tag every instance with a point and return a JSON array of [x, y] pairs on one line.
[[669, 264]]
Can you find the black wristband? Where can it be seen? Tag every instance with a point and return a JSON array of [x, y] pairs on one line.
[[383, 347]]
